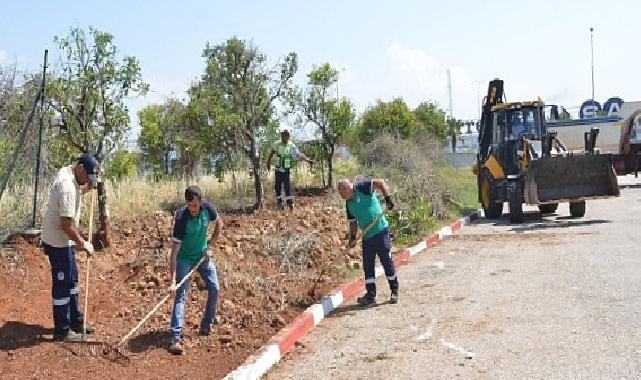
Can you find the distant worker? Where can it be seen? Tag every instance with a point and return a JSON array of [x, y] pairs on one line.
[[518, 128], [364, 211], [189, 245], [287, 153], [60, 238]]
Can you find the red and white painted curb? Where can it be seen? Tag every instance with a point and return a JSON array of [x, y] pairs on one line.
[[266, 357]]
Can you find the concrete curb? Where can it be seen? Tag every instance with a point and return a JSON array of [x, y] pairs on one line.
[[284, 341]]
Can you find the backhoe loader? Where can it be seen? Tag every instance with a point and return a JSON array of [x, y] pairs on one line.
[[521, 161]]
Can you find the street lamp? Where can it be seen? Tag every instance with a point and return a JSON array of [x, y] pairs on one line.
[[592, 59]]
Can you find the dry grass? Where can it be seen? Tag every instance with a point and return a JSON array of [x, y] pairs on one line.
[[132, 198]]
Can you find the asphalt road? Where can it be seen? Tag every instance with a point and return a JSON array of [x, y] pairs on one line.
[[555, 297]]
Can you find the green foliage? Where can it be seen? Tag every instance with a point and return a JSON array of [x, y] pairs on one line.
[[410, 223], [431, 119], [249, 90], [332, 117], [88, 96], [123, 165], [394, 118], [159, 127]]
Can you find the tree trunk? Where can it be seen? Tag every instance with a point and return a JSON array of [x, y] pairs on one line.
[[330, 167], [167, 163], [453, 143], [258, 186], [104, 233]]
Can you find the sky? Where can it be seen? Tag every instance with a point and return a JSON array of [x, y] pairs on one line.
[[383, 49]]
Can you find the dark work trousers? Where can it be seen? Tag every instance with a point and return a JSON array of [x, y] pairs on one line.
[[64, 288], [282, 180], [381, 245]]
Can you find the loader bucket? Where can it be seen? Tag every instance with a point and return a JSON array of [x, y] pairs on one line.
[[570, 178]]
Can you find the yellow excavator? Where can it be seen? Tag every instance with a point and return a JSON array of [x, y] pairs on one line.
[[521, 161]]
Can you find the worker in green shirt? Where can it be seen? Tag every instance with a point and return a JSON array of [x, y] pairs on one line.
[[287, 153], [189, 245], [364, 210]]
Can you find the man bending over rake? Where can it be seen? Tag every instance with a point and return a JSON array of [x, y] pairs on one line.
[[189, 245]]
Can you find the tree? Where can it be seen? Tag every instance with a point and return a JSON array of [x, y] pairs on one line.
[[431, 119], [123, 165], [331, 117], [250, 89], [454, 130], [159, 126], [88, 97], [393, 117]]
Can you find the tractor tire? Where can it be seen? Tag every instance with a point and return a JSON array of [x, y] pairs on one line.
[[577, 209], [516, 210], [515, 198], [489, 194], [549, 208]]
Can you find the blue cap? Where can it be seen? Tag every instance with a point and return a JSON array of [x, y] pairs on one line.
[[89, 162]]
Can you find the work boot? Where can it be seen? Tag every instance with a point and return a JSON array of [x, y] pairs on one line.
[[78, 329], [393, 298], [176, 347], [367, 300], [71, 336]]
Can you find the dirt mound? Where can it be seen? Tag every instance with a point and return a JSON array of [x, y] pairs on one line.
[[267, 263]]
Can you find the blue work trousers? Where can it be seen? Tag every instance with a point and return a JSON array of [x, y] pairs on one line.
[[378, 245]]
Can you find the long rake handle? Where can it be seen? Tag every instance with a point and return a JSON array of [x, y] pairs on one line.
[[162, 301], [86, 310]]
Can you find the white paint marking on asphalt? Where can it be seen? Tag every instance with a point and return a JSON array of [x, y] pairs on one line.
[[428, 333], [418, 248], [438, 265], [379, 271], [454, 347]]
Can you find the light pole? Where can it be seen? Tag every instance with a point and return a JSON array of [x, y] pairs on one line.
[[592, 59]]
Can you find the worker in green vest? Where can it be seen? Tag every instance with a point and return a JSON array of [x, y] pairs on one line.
[[364, 210], [287, 153]]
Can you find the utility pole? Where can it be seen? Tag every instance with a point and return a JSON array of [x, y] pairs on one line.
[[592, 59], [39, 155], [449, 92]]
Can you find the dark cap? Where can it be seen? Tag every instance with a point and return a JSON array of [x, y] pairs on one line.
[[89, 162]]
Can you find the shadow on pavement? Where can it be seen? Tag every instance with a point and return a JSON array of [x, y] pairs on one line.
[[352, 309], [15, 335], [560, 222]]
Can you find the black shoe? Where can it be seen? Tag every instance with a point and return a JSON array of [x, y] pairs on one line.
[[70, 336], [367, 300], [393, 298], [78, 329]]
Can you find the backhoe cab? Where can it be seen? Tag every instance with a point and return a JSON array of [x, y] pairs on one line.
[[520, 161]]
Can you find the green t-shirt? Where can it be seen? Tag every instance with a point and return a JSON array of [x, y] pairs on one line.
[[364, 207], [191, 233]]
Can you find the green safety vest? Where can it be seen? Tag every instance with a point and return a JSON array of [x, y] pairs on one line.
[[284, 152]]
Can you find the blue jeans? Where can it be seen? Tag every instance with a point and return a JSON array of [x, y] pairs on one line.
[[64, 288], [207, 272]]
